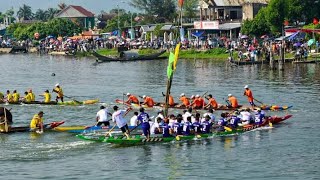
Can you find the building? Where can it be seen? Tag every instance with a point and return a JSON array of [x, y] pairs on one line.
[[78, 15]]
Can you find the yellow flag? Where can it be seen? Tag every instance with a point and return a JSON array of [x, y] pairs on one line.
[[176, 56]]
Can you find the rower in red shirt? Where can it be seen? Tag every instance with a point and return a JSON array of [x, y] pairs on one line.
[[212, 102], [185, 101], [132, 99], [148, 101]]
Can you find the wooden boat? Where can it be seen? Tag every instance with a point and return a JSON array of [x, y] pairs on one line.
[[70, 103], [47, 127], [138, 140], [124, 58], [221, 108], [239, 63], [85, 129]]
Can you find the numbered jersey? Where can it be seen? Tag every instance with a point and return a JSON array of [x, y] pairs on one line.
[[186, 128], [258, 119], [196, 127], [206, 127], [143, 117], [177, 128]]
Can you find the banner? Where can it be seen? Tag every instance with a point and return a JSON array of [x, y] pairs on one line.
[[206, 25]]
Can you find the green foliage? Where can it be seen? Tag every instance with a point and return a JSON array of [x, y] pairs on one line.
[[55, 27], [162, 10], [25, 12], [277, 13], [190, 8], [258, 26], [124, 21], [157, 32]]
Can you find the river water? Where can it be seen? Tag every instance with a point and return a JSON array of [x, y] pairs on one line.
[[289, 151]]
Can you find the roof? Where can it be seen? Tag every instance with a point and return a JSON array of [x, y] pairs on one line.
[[167, 27], [231, 2], [229, 26], [147, 28], [74, 12]]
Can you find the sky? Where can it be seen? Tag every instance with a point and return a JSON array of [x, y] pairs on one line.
[[95, 6]]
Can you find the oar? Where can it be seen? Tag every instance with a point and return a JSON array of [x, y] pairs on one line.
[[73, 99], [6, 127], [109, 132], [128, 110], [258, 101]]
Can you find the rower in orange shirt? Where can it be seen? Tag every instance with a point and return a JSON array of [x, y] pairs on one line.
[[247, 92], [233, 101], [212, 102], [171, 101], [132, 99], [148, 101], [197, 103], [185, 101]]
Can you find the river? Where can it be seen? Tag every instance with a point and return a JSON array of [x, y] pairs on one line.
[[288, 151]]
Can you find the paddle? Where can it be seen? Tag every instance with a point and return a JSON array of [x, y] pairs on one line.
[[6, 127], [128, 110], [229, 105], [258, 101], [73, 99]]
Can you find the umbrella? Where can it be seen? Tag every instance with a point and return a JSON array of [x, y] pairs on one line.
[[244, 37], [310, 42], [297, 44]]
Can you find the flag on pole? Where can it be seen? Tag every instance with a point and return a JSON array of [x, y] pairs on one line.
[[170, 65], [176, 56]]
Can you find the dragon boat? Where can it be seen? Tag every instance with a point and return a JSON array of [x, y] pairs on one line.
[[66, 103], [46, 127]]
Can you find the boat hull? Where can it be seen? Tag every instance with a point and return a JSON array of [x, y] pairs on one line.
[[47, 127]]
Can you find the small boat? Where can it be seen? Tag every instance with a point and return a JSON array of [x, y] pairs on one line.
[[306, 62], [138, 140], [46, 127], [71, 103], [129, 56]]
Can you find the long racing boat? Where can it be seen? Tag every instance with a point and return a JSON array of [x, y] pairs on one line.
[[66, 103], [48, 126]]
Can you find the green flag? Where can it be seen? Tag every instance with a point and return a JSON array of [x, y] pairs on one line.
[[170, 65]]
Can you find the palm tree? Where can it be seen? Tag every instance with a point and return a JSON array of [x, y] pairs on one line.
[[41, 15], [62, 6], [51, 12], [25, 13]]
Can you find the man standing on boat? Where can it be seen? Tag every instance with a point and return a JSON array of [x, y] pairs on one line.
[[37, 122], [102, 116], [132, 99], [144, 121], [148, 101], [59, 92], [247, 92], [118, 118]]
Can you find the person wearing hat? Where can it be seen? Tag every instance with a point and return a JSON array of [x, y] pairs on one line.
[[37, 122], [197, 103], [212, 102], [59, 92], [144, 119], [247, 92], [102, 116], [118, 118], [184, 101], [132, 99], [232, 101], [148, 101], [47, 96]]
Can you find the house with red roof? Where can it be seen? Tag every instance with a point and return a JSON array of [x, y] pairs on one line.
[[78, 15]]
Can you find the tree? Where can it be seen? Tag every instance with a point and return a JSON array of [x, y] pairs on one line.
[[277, 12], [162, 10], [62, 6], [189, 9], [41, 15], [25, 13], [51, 12]]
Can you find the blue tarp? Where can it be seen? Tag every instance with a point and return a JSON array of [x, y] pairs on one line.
[[297, 35], [198, 33]]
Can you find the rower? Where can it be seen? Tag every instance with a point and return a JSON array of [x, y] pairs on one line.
[[210, 114], [184, 101], [197, 103], [234, 120], [132, 99], [27, 97], [16, 96], [222, 122], [171, 100], [118, 118], [188, 113], [246, 117], [37, 122], [187, 127], [177, 126], [143, 117], [32, 96], [155, 128], [247, 92], [47, 96], [9, 97], [233, 101], [134, 119], [258, 117], [102, 117], [59, 92], [166, 129], [196, 126], [206, 126], [212, 102], [148, 101]]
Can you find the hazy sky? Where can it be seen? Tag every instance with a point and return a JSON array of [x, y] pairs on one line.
[[94, 6]]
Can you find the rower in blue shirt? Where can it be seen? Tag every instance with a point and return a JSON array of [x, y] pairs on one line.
[[144, 120], [196, 126], [258, 118], [166, 128], [187, 126], [234, 120], [178, 127], [222, 122], [206, 126]]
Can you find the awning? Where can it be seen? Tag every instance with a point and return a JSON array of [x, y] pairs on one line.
[[198, 33]]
